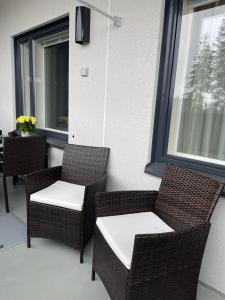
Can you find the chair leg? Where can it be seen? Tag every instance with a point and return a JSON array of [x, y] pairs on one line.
[[15, 180], [93, 274], [5, 193], [81, 255], [28, 242], [82, 242]]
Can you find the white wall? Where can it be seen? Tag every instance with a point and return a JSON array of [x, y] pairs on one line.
[[131, 85], [55, 157], [115, 105]]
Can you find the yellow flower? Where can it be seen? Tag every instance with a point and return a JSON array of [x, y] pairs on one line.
[[33, 120], [20, 120], [23, 119]]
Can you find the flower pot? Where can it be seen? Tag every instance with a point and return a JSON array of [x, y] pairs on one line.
[[27, 133]]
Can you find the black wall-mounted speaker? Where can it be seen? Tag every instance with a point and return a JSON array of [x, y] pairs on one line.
[[82, 30]]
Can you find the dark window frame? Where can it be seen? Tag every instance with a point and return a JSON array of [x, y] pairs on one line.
[[164, 100], [57, 139]]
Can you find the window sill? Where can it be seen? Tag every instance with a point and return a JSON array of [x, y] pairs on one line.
[[54, 139], [158, 168], [56, 143]]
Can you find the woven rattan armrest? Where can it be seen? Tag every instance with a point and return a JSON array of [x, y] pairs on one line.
[[89, 206], [155, 255], [97, 186], [39, 180], [125, 202]]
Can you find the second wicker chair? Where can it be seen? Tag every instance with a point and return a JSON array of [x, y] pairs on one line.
[[149, 245], [60, 200]]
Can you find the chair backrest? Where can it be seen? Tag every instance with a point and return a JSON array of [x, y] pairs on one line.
[[186, 198], [84, 164], [23, 155]]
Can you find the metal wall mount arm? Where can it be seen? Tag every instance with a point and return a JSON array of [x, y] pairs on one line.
[[117, 21]]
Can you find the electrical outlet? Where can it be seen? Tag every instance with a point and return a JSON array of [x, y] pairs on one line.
[[84, 72]]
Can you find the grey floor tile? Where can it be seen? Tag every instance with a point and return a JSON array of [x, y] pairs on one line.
[[205, 293]]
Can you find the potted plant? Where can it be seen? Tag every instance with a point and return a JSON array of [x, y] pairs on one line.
[[26, 124]]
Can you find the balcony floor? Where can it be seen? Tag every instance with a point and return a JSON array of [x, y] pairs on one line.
[[50, 270]]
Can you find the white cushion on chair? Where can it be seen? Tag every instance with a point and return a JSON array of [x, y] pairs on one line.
[[63, 194], [119, 231]]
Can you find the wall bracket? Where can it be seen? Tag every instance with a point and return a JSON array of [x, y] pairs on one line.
[[117, 21]]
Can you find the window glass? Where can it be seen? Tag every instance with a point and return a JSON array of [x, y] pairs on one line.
[[56, 82], [51, 63], [197, 128], [25, 76]]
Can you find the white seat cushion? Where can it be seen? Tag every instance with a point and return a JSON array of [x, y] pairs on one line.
[[61, 194], [119, 231]]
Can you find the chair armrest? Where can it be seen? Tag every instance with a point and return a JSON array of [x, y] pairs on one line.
[[39, 180], [91, 189], [124, 202], [96, 187], [157, 255], [89, 205]]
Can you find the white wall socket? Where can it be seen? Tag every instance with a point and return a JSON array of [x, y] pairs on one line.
[[84, 72]]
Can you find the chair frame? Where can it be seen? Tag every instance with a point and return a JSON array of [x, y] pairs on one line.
[[164, 266], [73, 228]]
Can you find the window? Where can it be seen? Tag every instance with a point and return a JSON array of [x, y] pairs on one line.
[[190, 112], [42, 68]]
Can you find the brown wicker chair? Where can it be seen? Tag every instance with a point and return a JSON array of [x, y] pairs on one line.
[[22, 155], [164, 266], [82, 167]]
